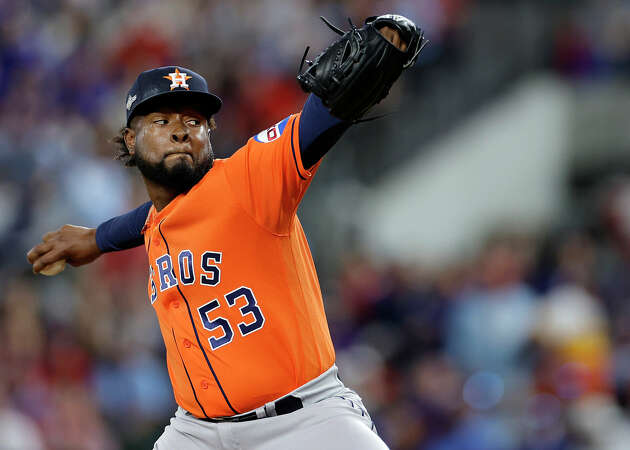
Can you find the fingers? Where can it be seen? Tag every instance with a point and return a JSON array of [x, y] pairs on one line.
[[76, 245], [395, 40], [402, 45], [392, 36], [44, 247], [44, 254], [46, 259], [387, 33], [38, 251]]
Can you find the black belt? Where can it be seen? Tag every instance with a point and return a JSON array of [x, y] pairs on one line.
[[285, 405]]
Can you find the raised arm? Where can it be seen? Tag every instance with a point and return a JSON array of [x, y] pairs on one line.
[[347, 85], [319, 130], [79, 245]]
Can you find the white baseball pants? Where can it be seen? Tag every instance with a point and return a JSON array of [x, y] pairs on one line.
[[333, 417]]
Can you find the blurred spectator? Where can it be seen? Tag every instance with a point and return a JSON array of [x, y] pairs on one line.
[[17, 430], [491, 321]]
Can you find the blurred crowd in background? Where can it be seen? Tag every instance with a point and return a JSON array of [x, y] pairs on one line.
[[525, 345]]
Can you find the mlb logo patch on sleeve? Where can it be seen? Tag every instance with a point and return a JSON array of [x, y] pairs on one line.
[[272, 133]]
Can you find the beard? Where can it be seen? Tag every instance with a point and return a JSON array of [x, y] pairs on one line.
[[180, 178]]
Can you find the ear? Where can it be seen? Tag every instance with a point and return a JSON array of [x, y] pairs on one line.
[[212, 125], [130, 140]]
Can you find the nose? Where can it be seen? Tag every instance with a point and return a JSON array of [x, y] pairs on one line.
[[180, 135]]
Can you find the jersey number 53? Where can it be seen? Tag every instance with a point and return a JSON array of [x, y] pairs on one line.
[[253, 318], [250, 310]]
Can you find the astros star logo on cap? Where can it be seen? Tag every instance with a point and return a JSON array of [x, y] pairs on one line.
[[178, 79]]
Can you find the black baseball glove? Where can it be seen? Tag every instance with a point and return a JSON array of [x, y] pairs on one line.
[[357, 71]]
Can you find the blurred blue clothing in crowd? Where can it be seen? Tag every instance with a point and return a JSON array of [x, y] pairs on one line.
[[490, 329]]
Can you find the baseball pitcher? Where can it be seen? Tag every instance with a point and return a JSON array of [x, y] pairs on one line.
[[231, 276]]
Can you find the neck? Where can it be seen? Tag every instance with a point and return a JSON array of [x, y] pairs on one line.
[[160, 196]]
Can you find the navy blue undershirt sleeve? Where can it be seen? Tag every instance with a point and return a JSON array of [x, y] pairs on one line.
[[315, 119], [123, 232], [318, 132]]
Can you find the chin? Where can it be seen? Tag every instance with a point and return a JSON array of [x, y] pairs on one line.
[[181, 164], [183, 175]]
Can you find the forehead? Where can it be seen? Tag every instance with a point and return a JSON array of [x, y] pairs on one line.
[[170, 106]]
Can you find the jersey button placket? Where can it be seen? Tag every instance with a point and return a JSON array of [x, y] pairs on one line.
[[187, 343], [204, 384]]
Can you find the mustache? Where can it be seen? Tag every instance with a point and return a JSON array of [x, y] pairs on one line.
[[175, 152]]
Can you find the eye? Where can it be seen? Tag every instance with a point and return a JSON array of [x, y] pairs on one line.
[[161, 121], [193, 122]]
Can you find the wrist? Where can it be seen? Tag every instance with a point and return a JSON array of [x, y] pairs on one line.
[[96, 240]]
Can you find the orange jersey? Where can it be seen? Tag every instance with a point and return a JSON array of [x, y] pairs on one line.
[[233, 283]]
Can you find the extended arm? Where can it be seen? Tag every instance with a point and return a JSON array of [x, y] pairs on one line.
[[319, 130], [318, 133], [124, 231], [79, 245]]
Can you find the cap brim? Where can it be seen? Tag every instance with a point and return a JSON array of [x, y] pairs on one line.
[[209, 103]]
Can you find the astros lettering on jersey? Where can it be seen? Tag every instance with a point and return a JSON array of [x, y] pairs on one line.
[[233, 282]]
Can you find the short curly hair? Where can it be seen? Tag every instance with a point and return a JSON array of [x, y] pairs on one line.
[[122, 152]]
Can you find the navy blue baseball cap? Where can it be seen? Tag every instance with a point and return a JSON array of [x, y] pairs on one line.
[[170, 81]]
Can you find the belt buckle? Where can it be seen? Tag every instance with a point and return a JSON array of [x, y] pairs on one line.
[[288, 405]]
